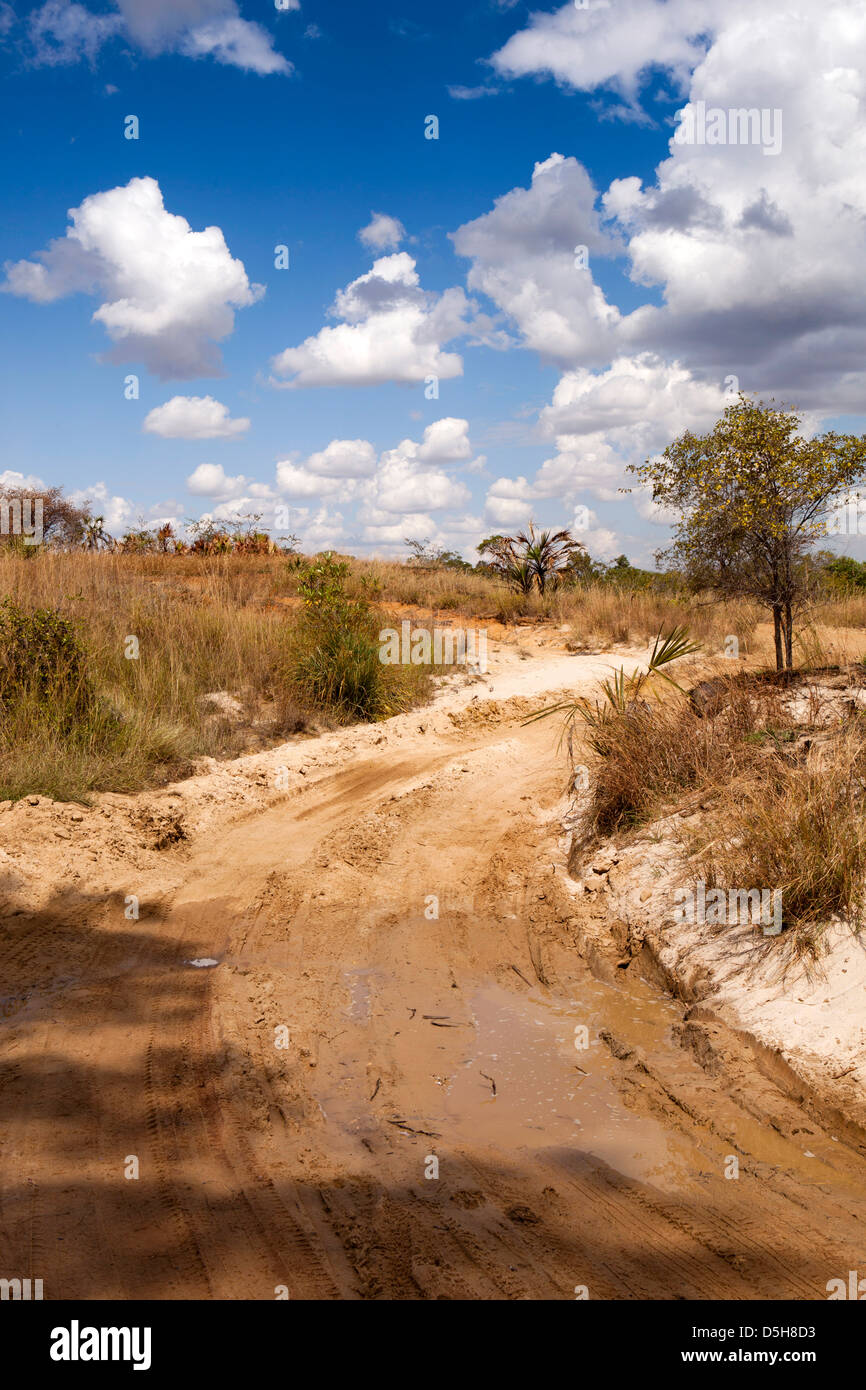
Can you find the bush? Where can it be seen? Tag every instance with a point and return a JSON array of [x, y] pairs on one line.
[[650, 752], [844, 573], [336, 649], [43, 663], [800, 827], [788, 806], [650, 757], [341, 669]]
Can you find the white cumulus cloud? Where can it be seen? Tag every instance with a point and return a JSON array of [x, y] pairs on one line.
[[62, 32], [382, 233], [11, 478], [115, 511], [211, 480], [602, 422], [612, 43], [526, 256], [344, 458], [237, 43], [400, 486], [751, 256], [169, 292], [403, 480], [445, 441], [391, 330], [294, 480], [194, 417]]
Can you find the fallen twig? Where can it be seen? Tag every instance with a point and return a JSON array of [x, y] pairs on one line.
[[401, 1124]]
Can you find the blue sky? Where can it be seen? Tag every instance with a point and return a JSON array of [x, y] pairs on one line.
[[308, 387]]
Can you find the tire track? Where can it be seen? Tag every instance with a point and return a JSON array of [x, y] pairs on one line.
[[186, 1251]]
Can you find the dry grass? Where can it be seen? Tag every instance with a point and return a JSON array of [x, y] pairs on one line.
[[648, 758], [598, 614], [601, 614], [233, 624], [202, 626], [797, 825], [784, 804], [846, 611]]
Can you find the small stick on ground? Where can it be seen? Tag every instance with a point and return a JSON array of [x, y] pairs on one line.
[[401, 1124]]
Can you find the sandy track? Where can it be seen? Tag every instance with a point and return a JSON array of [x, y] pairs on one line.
[[411, 1037]]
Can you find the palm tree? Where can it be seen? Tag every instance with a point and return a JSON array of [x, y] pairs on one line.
[[547, 554], [536, 559], [505, 560], [95, 536]]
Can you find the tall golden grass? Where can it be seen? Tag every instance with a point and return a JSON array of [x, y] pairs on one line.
[[784, 806], [796, 824], [598, 614], [234, 624], [204, 627]]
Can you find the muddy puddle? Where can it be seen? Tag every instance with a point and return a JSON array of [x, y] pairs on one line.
[[505, 1070], [360, 984], [526, 1071], [535, 1075]]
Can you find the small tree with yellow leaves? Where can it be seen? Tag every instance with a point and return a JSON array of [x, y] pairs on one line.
[[754, 496]]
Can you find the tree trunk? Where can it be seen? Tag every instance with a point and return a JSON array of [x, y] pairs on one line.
[[789, 636], [777, 635]]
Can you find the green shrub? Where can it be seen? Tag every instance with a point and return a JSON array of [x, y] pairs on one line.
[[336, 649], [42, 663], [341, 669]]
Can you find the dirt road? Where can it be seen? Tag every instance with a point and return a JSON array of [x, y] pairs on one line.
[[375, 1091]]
